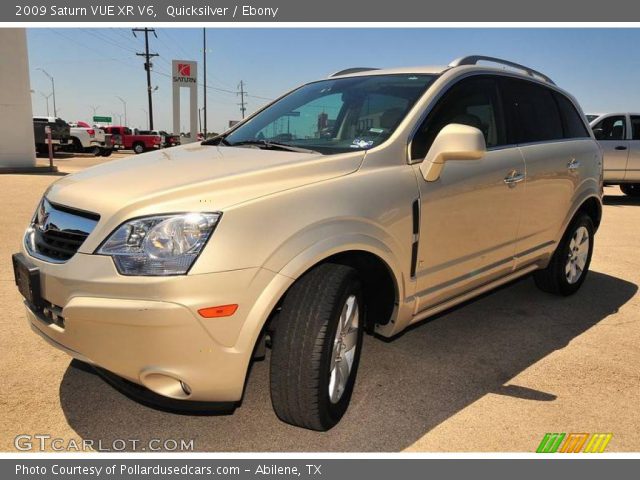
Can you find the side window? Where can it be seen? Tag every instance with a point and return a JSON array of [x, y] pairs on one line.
[[536, 111], [611, 128], [635, 127], [572, 123], [474, 102]]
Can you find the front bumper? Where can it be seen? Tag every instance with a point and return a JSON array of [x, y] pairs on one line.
[[147, 329]]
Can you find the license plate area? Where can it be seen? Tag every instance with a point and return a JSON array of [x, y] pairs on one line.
[[27, 277]]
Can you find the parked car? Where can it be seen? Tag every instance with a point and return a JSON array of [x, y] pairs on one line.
[[59, 133], [124, 138], [619, 136], [87, 139], [437, 184], [168, 139]]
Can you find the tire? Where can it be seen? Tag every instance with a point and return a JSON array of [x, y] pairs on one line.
[[106, 152], [305, 388], [95, 151], [76, 145], [138, 148], [631, 189], [569, 265]]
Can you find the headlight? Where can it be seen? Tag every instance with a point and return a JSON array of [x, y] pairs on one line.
[[159, 245]]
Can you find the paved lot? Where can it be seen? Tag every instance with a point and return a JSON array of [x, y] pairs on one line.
[[493, 375]]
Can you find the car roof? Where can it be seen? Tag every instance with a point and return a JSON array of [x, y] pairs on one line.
[[598, 116]]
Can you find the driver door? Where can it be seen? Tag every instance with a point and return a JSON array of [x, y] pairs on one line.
[[469, 216]]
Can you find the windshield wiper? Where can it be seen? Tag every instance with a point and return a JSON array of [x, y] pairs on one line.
[[269, 145], [219, 140]]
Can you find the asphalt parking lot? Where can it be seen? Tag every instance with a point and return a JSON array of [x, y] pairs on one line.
[[493, 375]]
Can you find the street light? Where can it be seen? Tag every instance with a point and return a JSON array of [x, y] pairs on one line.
[[46, 97], [124, 104], [53, 89]]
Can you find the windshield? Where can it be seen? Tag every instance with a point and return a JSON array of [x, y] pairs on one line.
[[333, 116]]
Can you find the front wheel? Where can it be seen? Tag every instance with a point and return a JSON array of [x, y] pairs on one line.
[[631, 189], [316, 347], [570, 262]]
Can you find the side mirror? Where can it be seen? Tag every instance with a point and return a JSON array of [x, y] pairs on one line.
[[598, 133], [454, 142]]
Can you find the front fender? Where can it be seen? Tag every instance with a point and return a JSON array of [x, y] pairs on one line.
[[318, 242]]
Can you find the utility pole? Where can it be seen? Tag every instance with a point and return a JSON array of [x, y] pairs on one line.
[[242, 94], [204, 86], [147, 66], [124, 104], [53, 89]]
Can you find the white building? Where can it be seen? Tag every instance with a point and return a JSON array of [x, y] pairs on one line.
[[16, 121]]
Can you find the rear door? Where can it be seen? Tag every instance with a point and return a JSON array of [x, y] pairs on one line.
[[556, 146], [633, 163], [611, 133]]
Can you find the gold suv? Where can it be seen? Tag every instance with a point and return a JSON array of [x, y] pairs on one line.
[[364, 202]]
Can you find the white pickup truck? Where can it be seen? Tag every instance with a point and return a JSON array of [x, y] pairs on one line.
[[619, 136], [87, 139]]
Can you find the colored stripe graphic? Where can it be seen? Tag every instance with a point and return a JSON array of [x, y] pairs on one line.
[[550, 443], [598, 442], [574, 443]]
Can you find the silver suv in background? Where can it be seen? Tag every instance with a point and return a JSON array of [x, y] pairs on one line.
[[619, 136]]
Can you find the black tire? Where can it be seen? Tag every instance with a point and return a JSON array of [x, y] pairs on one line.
[[553, 279], [303, 343], [75, 145], [631, 189], [106, 152], [138, 148]]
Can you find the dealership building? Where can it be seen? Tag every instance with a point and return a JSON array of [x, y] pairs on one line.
[[16, 119]]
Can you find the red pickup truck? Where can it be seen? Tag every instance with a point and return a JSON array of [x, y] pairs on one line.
[[124, 138]]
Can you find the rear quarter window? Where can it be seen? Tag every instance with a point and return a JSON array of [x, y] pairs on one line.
[[572, 123]]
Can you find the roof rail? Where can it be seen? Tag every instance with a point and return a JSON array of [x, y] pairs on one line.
[[474, 59], [347, 71]]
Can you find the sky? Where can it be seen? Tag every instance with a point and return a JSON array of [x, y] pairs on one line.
[[92, 67]]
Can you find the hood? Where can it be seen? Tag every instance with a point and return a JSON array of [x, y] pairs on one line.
[[184, 178]]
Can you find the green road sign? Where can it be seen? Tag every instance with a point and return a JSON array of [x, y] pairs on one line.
[[102, 119]]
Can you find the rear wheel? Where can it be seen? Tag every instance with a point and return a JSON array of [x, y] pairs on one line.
[[105, 152], [631, 189], [316, 347], [138, 148], [570, 262]]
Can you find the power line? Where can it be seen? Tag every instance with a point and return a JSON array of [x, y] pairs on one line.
[[147, 66]]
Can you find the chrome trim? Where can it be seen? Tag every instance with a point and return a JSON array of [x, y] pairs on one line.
[[50, 217], [514, 178]]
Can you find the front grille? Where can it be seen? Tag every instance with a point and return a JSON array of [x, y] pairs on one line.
[[57, 232], [58, 245]]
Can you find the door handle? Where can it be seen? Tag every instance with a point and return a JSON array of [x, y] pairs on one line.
[[573, 164], [621, 147], [514, 178]]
